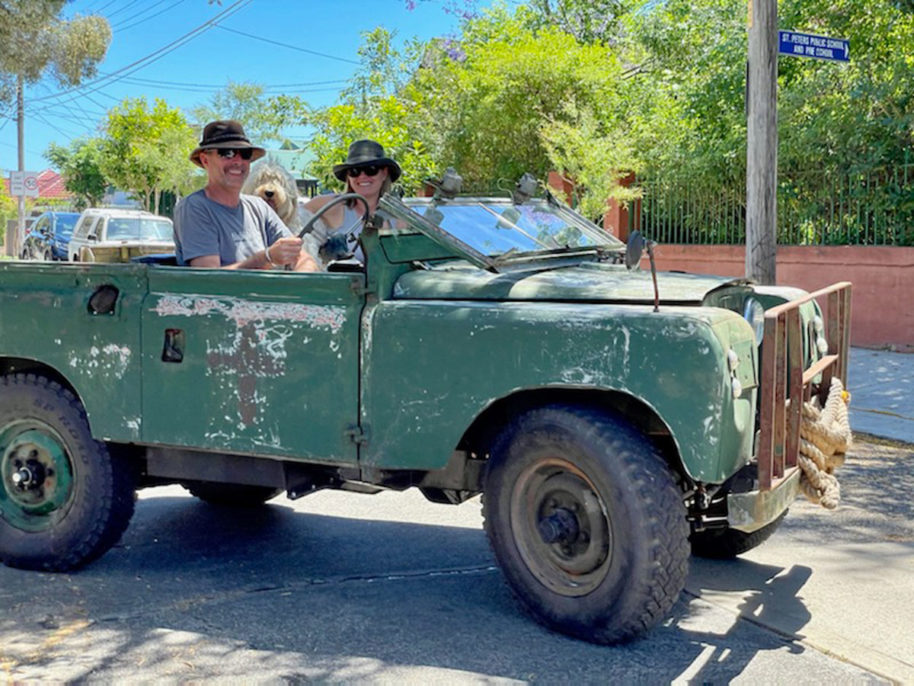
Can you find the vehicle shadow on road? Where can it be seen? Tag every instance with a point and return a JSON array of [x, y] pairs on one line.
[[290, 595]]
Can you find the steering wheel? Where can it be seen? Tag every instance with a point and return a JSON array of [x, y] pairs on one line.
[[309, 225]]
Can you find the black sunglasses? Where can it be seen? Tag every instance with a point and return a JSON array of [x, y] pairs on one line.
[[229, 153], [370, 170]]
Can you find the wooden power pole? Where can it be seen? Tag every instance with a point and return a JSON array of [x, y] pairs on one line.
[[762, 148]]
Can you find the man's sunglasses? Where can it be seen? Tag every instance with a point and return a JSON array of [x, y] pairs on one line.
[[229, 153], [370, 170]]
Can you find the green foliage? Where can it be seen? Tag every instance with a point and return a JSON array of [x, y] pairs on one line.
[[33, 39], [79, 166], [146, 151], [263, 117]]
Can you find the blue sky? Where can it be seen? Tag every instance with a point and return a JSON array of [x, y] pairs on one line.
[[176, 55]]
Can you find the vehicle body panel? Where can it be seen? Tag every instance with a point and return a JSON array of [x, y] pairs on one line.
[[449, 360], [269, 362], [98, 354]]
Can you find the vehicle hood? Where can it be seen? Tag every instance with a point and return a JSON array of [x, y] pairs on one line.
[[594, 282]]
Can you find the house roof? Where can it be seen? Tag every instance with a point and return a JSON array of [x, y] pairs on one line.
[[297, 160]]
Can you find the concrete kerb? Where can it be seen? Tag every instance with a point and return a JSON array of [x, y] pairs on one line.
[[881, 384]]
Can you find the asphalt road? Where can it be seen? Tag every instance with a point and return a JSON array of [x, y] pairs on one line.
[[391, 589]]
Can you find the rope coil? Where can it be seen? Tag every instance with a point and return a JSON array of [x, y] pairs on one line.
[[825, 436]]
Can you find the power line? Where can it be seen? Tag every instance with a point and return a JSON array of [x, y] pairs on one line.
[[153, 56], [123, 8], [121, 27], [286, 45]]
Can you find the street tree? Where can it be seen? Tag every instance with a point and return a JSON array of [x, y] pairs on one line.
[[78, 163], [263, 117], [34, 40], [142, 147]]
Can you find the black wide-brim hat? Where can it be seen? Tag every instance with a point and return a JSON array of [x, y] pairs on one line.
[[365, 153], [226, 134]]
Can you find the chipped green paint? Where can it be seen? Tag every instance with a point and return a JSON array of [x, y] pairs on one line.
[[285, 365]]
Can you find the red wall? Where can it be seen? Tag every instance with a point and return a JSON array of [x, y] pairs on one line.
[[882, 302]]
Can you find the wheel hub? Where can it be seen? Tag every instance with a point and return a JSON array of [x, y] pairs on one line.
[[35, 476], [563, 531], [559, 527]]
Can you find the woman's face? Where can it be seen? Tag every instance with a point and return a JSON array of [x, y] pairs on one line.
[[367, 184]]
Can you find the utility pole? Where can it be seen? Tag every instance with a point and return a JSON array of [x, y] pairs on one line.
[[762, 139], [15, 241]]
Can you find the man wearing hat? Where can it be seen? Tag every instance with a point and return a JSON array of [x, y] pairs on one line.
[[217, 226], [366, 171]]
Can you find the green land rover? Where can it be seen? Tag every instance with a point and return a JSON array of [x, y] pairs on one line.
[[614, 420]]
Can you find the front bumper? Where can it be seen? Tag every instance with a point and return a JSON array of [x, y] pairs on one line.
[[752, 510]]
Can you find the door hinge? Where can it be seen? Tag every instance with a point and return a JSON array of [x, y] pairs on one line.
[[357, 434]]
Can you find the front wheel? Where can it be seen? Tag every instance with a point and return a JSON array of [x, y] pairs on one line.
[[64, 500], [586, 522]]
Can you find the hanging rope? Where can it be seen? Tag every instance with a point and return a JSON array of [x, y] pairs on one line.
[[825, 435]]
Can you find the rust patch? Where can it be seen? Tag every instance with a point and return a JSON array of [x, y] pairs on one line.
[[247, 362]]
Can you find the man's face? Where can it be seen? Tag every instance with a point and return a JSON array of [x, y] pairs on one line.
[[227, 168]]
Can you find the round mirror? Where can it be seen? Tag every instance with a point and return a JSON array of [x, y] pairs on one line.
[[634, 250]]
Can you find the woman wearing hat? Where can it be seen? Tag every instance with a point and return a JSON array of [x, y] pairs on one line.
[[366, 171]]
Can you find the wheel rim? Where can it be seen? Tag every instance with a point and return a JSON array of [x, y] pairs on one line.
[[37, 476], [561, 527]]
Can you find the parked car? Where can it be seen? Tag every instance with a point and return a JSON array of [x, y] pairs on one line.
[[117, 235], [48, 236]]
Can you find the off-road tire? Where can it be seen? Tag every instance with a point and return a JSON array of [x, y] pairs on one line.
[[623, 576], [85, 498], [232, 495], [725, 544]]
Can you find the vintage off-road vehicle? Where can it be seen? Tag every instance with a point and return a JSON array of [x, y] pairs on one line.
[[614, 420]]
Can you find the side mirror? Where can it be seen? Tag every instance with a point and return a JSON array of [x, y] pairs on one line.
[[634, 250]]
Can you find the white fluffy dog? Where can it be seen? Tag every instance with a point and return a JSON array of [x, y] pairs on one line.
[[272, 182]]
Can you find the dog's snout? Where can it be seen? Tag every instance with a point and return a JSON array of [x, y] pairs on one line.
[[269, 194]]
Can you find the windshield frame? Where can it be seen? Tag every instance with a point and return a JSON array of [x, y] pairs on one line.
[[601, 241]]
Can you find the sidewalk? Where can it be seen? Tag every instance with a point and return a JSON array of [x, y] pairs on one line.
[[882, 393]]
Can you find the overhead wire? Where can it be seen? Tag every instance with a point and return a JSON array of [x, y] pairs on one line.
[[122, 27], [126, 70], [287, 45]]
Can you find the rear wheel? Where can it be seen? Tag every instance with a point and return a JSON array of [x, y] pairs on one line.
[[232, 495], [586, 522], [64, 500]]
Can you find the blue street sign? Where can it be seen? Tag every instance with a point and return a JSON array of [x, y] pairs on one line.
[[818, 47]]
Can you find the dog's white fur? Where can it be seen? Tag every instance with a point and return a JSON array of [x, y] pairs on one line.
[[272, 182]]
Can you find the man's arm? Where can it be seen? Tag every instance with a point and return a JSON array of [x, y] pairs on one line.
[[287, 251]]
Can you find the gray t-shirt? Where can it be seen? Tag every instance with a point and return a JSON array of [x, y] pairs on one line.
[[206, 227]]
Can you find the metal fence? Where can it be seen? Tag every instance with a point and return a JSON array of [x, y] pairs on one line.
[[875, 207]]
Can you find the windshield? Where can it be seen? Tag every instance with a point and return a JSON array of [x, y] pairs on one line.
[[496, 226], [64, 225], [139, 229]]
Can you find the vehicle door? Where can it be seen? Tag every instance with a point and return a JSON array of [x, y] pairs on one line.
[[37, 240], [252, 362], [85, 227]]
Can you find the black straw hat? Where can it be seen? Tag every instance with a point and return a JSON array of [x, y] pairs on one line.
[[226, 134], [365, 153]]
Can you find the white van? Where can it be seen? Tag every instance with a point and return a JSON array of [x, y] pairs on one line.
[[116, 235]]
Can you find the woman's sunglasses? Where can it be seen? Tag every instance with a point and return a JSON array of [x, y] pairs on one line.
[[229, 153], [371, 170]]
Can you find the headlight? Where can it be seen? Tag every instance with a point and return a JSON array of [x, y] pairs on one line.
[[754, 313]]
